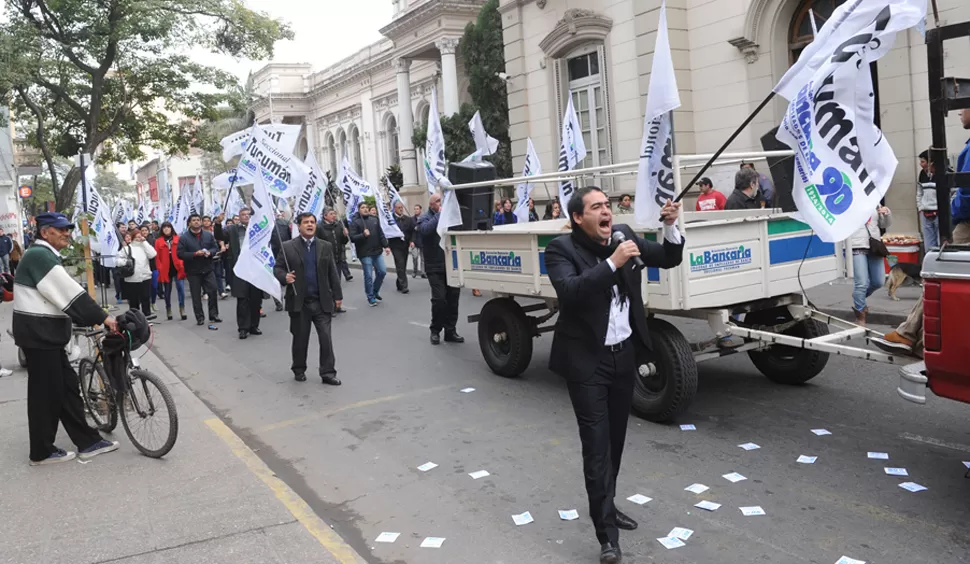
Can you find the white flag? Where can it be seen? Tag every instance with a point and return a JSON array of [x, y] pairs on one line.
[[386, 216], [392, 193], [283, 174], [450, 215], [843, 163], [434, 149], [655, 176], [256, 260], [352, 184], [286, 135], [311, 199], [485, 144], [572, 151], [228, 179], [183, 209], [141, 215], [235, 203], [199, 196], [524, 191]]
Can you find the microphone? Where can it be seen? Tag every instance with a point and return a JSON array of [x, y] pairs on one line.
[[619, 237]]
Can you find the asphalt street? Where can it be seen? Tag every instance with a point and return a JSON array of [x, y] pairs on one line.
[[352, 452]]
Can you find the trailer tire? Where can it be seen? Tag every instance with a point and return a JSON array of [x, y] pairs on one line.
[[787, 365], [664, 396], [512, 355]]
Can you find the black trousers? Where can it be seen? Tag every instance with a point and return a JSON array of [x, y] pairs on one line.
[[247, 307], [53, 396], [602, 407], [344, 268], [139, 295], [400, 254], [199, 283], [444, 303], [300, 322]]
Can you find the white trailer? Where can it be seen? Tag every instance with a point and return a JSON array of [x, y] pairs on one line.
[[744, 272]]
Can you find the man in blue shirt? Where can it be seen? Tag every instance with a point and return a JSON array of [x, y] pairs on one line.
[[960, 206]]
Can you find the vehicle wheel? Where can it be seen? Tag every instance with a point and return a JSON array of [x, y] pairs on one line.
[[788, 365], [505, 337], [664, 395], [21, 357], [99, 397], [148, 414]]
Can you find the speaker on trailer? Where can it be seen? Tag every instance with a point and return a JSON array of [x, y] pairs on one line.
[[782, 171], [476, 203]]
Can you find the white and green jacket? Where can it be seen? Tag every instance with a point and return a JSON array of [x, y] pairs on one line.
[[46, 300]]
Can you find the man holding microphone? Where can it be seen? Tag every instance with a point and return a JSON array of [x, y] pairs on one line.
[[597, 272]]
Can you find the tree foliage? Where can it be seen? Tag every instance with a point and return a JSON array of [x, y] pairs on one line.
[[458, 138], [111, 76]]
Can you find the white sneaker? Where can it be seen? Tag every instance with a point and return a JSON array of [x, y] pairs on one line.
[[5, 372]]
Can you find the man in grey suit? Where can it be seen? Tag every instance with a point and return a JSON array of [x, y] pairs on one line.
[[305, 266]]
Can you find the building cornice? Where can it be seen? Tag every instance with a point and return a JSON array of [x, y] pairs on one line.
[[412, 20], [576, 27]]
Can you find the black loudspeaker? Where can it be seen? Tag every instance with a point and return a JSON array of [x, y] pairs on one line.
[[476, 203], [782, 171]]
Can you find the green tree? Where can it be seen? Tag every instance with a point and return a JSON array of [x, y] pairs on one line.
[[105, 77], [458, 138]]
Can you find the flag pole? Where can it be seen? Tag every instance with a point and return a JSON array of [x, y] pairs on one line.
[[724, 147]]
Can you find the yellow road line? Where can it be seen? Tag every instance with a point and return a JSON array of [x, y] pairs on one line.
[[293, 502], [357, 405]]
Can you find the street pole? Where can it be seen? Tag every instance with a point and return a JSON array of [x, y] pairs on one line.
[[88, 259]]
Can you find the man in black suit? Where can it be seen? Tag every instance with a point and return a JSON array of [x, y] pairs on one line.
[[197, 249], [306, 268], [601, 325], [249, 298]]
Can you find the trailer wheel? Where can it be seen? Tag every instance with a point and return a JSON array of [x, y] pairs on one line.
[[788, 365], [505, 337], [669, 390]]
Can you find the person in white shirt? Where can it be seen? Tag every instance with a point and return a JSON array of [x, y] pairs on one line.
[[137, 288], [597, 272]]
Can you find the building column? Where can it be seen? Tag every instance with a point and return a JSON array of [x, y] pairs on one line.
[[449, 73], [409, 161]]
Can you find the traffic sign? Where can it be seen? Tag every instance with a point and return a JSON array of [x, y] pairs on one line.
[[26, 191]]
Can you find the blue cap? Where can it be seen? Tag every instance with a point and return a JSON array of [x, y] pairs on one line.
[[53, 219]]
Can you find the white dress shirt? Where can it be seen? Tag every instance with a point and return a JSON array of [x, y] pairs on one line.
[[618, 330]]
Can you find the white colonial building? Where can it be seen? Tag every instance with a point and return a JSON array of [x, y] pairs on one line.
[[727, 54]]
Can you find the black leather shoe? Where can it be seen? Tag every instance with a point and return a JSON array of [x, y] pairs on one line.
[[331, 380], [215, 320], [200, 321], [255, 332], [435, 339], [453, 337], [279, 307], [405, 291], [610, 554], [301, 377], [243, 334], [623, 521]]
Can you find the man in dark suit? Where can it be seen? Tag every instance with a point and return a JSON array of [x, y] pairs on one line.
[[197, 248], [601, 325], [249, 298], [306, 268]]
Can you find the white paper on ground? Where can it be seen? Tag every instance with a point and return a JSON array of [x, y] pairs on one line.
[[896, 471], [427, 466], [912, 486], [639, 499], [708, 505], [467, 390], [522, 518], [479, 474], [680, 533], [749, 446], [432, 542], [733, 477], [878, 455], [387, 537], [671, 542], [688, 428], [697, 488], [752, 511], [568, 514], [847, 560], [807, 459], [821, 432], [966, 463]]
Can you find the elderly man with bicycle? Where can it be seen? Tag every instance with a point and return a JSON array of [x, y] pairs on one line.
[[46, 302]]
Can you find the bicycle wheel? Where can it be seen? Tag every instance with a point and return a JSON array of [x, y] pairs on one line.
[[100, 407], [148, 414]]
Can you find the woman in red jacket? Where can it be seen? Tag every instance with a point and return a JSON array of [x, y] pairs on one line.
[[166, 247]]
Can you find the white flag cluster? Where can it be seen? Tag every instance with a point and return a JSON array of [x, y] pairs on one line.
[[572, 151], [353, 187], [104, 237], [311, 198], [283, 174], [524, 191], [843, 163], [655, 176]]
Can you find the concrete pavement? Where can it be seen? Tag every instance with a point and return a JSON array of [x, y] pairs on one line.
[[211, 500]]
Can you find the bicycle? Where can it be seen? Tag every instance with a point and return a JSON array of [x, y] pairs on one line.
[[141, 407]]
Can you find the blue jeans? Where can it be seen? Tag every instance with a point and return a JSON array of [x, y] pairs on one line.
[[154, 286], [931, 232], [372, 283], [167, 293], [220, 276], [869, 274]]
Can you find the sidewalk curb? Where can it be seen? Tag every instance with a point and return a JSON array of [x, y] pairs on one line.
[[872, 318]]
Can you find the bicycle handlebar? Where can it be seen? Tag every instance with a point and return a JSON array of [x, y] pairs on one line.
[[88, 331]]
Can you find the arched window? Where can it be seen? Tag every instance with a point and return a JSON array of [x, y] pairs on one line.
[[800, 34], [355, 159], [332, 154], [341, 147], [424, 110], [303, 148], [393, 143]]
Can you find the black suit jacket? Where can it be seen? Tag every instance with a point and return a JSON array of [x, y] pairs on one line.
[[327, 276], [584, 286], [189, 244]]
